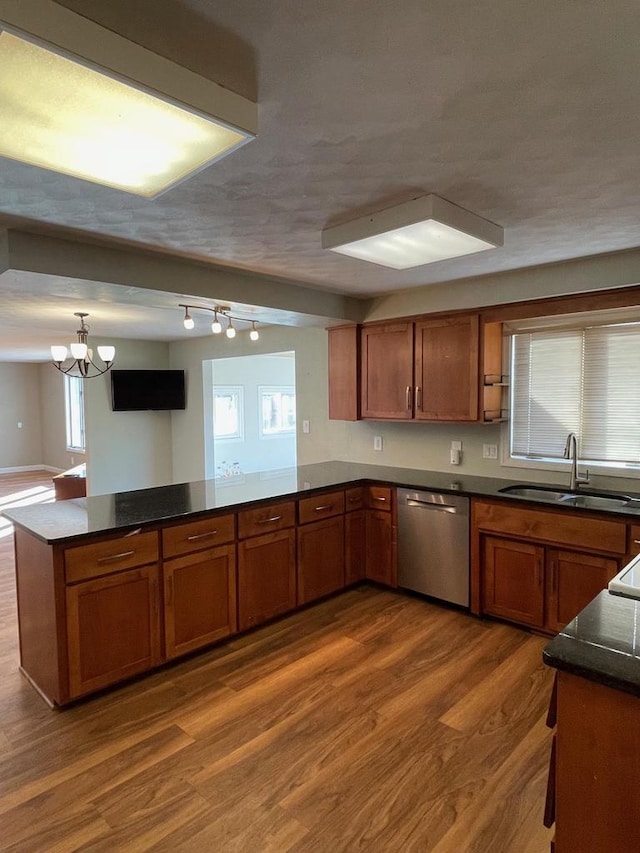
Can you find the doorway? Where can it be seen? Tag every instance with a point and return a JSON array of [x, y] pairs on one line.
[[250, 414]]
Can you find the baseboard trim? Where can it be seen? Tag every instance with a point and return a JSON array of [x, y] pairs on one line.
[[20, 468]]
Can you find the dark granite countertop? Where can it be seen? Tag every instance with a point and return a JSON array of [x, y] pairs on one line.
[[64, 521], [602, 643]]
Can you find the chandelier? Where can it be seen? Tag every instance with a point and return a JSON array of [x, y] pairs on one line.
[[221, 316], [80, 362]]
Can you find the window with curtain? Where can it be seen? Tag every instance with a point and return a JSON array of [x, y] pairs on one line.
[[74, 409], [584, 381]]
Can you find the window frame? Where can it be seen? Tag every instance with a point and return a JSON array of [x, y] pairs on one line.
[[238, 392], [554, 464], [289, 390], [70, 413]]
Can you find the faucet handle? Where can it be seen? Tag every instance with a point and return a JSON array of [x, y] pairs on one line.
[[583, 478]]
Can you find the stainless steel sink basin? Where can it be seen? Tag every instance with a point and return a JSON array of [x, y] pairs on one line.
[[585, 500], [595, 501], [537, 493]]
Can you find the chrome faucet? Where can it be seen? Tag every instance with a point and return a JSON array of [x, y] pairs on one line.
[[571, 452]]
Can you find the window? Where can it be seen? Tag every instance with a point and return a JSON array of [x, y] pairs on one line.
[[74, 408], [228, 404], [277, 410], [578, 380]]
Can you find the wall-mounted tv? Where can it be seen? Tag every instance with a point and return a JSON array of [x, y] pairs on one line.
[[144, 390]]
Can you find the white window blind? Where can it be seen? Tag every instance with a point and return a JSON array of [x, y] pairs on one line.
[[585, 381]]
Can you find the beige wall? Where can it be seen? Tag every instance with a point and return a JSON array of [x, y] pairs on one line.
[[126, 450], [20, 395], [54, 431], [310, 346]]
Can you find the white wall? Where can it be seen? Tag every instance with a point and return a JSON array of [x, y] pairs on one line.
[[252, 452], [310, 346], [20, 395], [126, 450]]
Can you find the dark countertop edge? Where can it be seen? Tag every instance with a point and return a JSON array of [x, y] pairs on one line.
[[487, 493], [597, 669], [190, 515]]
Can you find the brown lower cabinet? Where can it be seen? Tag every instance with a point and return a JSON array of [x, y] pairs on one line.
[[102, 609], [355, 532], [528, 565], [266, 577], [379, 561], [597, 797], [320, 558], [199, 599], [113, 628]]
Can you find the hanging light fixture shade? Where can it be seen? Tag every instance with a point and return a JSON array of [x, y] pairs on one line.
[[79, 99], [80, 362], [421, 231]]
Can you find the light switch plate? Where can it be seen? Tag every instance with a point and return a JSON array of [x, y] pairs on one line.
[[377, 442], [306, 427], [489, 451]]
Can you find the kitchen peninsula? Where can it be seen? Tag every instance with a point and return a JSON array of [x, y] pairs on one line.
[[115, 585]]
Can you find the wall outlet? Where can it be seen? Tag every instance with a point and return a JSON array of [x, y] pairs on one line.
[[456, 445], [377, 442], [489, 451], [306, 427], [19, 424], [456, 456]]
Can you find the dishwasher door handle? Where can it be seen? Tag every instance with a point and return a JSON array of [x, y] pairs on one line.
[[427, 505]]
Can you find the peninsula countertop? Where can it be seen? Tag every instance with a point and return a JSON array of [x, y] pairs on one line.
[[602, 643], [64, 521]]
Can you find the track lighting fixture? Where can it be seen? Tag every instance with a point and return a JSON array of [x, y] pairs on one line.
[[221, 315]]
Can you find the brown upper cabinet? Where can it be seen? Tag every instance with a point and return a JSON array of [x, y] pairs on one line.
[[421, 370], [344, 373]]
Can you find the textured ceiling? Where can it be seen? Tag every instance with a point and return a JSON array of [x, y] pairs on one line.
[[526, 113]]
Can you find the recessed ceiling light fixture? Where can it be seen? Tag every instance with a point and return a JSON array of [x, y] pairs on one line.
[[81, 100], [421, 231]]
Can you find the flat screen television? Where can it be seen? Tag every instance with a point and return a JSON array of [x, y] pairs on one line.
[[144, 390]]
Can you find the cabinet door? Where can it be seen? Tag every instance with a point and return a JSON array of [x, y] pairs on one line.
[[113, 628], [513, 580], [320, 558], [379, 560], [573, 580], [446, 369], [266, 577], [354, 546], [199, 599], [344, 373], [387, 371]]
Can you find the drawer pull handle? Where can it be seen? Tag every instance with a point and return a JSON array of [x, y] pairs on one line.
[[636, 541], [201, 536], [134, 532], [377, 498], [113, 557], [353, 500], [322, 507], [269, 520]]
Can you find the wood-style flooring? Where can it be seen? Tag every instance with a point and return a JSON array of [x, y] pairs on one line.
[[373, 722]]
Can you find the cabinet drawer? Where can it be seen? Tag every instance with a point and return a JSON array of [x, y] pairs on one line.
[[634, 539], [354, 498], [266, 519], [112, 555], [563, 527], [185, 538], [379, 497], [320, 506]]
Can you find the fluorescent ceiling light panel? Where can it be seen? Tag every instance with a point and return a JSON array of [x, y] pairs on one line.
[[139, 123], [421, 231]]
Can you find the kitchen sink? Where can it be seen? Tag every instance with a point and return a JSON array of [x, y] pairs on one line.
[[538, 493], [584, 500]]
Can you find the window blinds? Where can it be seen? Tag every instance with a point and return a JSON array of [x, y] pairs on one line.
[[585, 381]]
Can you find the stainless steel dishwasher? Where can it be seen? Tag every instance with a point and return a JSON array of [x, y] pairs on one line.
[[433, 545]]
